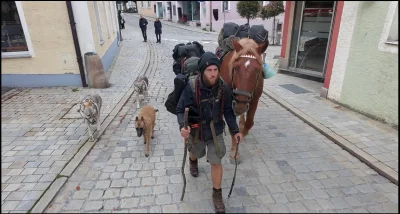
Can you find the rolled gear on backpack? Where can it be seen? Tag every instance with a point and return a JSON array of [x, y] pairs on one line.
[[258, 33], [227, 30], [176, 67], [190, 67], [243, 31], [227, 43]]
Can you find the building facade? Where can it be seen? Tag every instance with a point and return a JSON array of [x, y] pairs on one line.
[[353, 46], [200, 14], [146, 8], [38, 45]]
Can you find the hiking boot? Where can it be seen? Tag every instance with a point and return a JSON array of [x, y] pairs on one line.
[[194, 170], [218, 202]]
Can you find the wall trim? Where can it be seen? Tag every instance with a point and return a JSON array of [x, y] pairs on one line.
[[333, 43], [285, 35], [40, 80], [345, 36], [110, 54]]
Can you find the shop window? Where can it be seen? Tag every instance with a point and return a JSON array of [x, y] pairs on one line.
[[15, 41], [98, 22], [226, 6]]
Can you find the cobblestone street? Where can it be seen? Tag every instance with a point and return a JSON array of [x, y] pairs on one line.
[[287, 165]]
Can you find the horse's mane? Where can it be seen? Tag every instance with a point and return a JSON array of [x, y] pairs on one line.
[[249, 47]]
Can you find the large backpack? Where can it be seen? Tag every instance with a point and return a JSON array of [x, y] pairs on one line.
[[173, 97], [189, 69]]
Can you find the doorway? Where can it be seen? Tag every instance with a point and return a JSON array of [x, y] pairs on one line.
[[311, 34], [169, 8], [159, 10]]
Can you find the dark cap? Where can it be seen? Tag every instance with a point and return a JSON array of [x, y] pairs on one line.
[[207, 59]]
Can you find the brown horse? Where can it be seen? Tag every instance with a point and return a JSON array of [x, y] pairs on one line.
[[242, 70]]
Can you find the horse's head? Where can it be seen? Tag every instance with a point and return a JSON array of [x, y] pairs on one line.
[[246, 71]]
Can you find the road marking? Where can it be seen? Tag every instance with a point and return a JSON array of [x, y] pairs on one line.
[[186, 41]]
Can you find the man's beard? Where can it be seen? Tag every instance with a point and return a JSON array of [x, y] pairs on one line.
[[208, 82]]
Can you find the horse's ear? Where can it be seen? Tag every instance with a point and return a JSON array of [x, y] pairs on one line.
[[142, 118], [136, 119], [236, 45], [263, 47]]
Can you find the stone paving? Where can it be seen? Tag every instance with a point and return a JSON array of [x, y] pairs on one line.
[[36, 143], [287, 165], [376, 139]]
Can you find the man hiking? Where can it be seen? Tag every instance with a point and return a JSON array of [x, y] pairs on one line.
[[143, 26], [211, 100]]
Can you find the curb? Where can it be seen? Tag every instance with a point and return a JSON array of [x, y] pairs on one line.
[[67, 171], [364, 157], [175, 25]]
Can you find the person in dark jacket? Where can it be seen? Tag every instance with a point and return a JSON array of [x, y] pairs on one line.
[[208, 130], [158, 26], [121, 20], [143, 26]]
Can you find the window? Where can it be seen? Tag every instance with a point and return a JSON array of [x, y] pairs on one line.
[[105, 15], [226, 6], [174, 10], [98, 22], [148, 4], [141, 3], [15, 40], [389, 41], [393, 36]]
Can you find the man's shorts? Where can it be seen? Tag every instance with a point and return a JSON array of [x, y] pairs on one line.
[[199, 149]]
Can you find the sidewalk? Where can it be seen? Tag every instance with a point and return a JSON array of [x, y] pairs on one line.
[[44, 138], [372, 142]]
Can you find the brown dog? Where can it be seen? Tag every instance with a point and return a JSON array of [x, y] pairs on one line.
[[145, 125]]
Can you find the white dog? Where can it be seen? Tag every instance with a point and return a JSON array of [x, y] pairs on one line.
[[141, 85], [90, 108]]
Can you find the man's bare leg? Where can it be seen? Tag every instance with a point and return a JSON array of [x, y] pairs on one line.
[[193, 163], [216, 176]]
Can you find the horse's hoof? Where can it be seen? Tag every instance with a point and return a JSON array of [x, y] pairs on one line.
[[144, 142], [147, 155], [232, 160]]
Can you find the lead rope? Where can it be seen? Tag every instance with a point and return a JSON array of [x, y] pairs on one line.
[[234, 175]]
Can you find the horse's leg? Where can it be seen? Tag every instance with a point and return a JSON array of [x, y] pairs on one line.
[[241, 123], [250, 117]]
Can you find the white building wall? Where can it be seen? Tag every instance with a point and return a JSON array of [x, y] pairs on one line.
[[345, 36]]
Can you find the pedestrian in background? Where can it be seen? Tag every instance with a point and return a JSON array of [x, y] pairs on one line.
[[121, 20], [143, 26], [158, 26]]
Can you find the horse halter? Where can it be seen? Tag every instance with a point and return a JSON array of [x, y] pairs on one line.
[[236, 92]]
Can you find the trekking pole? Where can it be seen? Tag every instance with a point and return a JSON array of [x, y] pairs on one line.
[[234, 175], [184, 155]]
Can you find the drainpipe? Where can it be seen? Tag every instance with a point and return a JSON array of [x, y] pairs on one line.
[[210, 16], [76, 43]]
